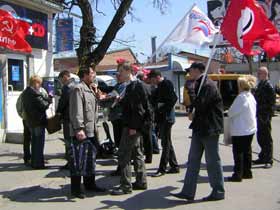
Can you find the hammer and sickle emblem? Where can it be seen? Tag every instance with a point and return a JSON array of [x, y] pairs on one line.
[[7, 26]]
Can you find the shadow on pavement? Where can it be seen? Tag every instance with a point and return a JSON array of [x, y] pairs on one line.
[[58, 173], [13, 167], [38, 194], [149, 199], [46, 156]]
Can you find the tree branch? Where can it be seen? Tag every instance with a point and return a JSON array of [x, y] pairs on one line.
[[118, 21]]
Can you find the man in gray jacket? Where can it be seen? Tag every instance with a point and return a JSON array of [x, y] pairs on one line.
[[83, 117]]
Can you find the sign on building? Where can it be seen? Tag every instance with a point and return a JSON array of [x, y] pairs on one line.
[[64, 34]]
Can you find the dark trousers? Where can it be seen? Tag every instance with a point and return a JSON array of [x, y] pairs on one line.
[[89, 182], [117, 129], [242, 155], [168, 153], [264, 138], [131, 149], [37, 146], [154, 140], [209, 144], [67, 138], [147, 143], [26, 142]]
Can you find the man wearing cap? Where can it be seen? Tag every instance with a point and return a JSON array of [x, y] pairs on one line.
[[207, 125], [165, 98]]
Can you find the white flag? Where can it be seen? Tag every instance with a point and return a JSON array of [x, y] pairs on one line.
[[195, 28]]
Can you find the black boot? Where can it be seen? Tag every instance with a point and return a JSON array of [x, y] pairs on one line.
[[90, 185], [76, 190]]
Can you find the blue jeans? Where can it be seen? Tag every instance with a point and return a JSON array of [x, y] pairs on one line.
[[37, 146], [213, 162], [155, 140]]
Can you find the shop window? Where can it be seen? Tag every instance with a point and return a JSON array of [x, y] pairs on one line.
[[15, 74]]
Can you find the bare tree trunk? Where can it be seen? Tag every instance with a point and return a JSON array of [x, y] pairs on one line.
[[87, 33], [86, 55], [117, 23]]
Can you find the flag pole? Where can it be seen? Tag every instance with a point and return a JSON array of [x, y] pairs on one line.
[[209, 61], [160, 46]]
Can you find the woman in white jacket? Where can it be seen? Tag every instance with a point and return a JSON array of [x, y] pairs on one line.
[[243, 126]]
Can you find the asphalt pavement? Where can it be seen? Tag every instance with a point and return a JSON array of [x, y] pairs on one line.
[[22, 188]]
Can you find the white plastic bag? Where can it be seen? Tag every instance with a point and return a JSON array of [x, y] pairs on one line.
[[227, 134]]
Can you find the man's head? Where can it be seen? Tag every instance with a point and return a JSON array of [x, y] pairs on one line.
[[35, 82], [196, 69], [263, 73], [125, 71], [155, 77], [87, 74], [64, 77], [140, 75]]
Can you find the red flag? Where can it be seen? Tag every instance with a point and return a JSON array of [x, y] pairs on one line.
[[244, 23], [13, 33], [271, 45]]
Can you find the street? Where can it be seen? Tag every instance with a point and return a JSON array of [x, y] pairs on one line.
[[24, 189]]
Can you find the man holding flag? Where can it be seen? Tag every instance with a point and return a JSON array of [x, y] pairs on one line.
[[207, 125]]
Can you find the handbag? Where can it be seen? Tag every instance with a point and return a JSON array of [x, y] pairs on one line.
[[53, 124], [227, 134]]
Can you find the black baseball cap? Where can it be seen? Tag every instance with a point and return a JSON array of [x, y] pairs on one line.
[[197, 65]]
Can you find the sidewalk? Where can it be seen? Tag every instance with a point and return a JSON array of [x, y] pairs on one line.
[[24, 189]]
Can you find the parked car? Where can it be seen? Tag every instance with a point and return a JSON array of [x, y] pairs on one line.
[[227, 84]]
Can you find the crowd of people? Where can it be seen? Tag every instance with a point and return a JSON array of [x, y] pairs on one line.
[[141, 110]]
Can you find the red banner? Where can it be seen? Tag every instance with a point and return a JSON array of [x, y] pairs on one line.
[[13, 33], [245, 22]]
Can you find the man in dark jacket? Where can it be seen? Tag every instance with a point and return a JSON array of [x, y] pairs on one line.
[[35, 105], [63, 108], [165, 99], [207, 125], [265, 97], [136, 110]]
